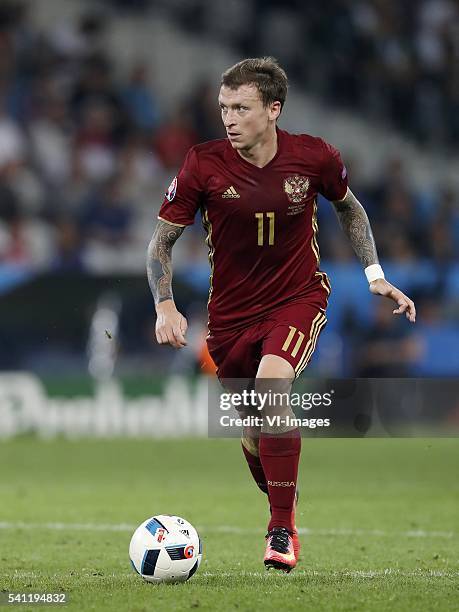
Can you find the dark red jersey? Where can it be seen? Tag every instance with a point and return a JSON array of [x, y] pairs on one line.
[[261, 223]]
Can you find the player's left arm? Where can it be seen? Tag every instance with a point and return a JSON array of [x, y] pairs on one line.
[[356, 225]]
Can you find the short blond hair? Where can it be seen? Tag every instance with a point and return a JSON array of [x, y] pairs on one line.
[[263, 72]]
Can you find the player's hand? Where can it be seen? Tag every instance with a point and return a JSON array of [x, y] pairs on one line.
[[171, 326], [382, 287]]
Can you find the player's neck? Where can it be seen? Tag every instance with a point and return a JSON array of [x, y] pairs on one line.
[[263, 152]]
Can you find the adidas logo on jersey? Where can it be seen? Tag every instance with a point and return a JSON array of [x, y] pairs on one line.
[[230, 193]]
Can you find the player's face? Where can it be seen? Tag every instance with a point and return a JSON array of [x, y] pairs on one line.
[[246, 120]]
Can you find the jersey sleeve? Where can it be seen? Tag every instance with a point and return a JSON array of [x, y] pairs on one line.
[[333, 175], [183, 197]]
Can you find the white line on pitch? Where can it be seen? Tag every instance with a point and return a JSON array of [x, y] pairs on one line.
[[413, 533], [269, 576], [389, 571], [419, 572]]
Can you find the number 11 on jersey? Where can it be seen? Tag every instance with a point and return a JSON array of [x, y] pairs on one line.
[[260, 217]]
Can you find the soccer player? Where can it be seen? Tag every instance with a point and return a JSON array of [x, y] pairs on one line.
[[257, 192]]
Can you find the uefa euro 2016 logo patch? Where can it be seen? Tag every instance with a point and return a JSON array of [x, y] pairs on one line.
[[170, 194], [296, 187]]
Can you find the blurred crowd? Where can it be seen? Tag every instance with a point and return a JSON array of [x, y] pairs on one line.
[[86, 153], [395, 61], [409, 224], [87, 150]]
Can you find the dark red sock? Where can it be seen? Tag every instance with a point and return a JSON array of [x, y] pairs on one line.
[[256, 469], [279, 455]]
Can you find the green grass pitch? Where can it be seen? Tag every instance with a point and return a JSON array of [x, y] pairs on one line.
[[380, 521]]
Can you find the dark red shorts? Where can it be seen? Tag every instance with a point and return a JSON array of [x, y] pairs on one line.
[[290, 332]]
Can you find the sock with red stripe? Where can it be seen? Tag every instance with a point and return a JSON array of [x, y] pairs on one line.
[[255, 467], [279, 455]]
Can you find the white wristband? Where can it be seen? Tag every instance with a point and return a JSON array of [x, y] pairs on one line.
[[374, 272]]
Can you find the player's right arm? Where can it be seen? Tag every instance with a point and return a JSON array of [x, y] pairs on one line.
[[171, 325], [178, 210]]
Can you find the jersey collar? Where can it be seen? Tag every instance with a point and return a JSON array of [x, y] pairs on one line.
[[280, 145]]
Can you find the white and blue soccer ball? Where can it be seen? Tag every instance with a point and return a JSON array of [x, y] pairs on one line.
[[165, 548]]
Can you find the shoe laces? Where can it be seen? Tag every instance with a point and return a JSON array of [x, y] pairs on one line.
[[280, 539]]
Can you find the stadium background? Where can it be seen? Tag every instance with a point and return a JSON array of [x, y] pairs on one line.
[[99, 103], [99, 100]]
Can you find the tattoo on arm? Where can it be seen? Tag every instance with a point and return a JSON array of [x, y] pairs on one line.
[[159, 260], [356, 226]]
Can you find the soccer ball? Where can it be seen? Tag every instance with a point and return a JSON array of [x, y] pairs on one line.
[[165, 548]]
